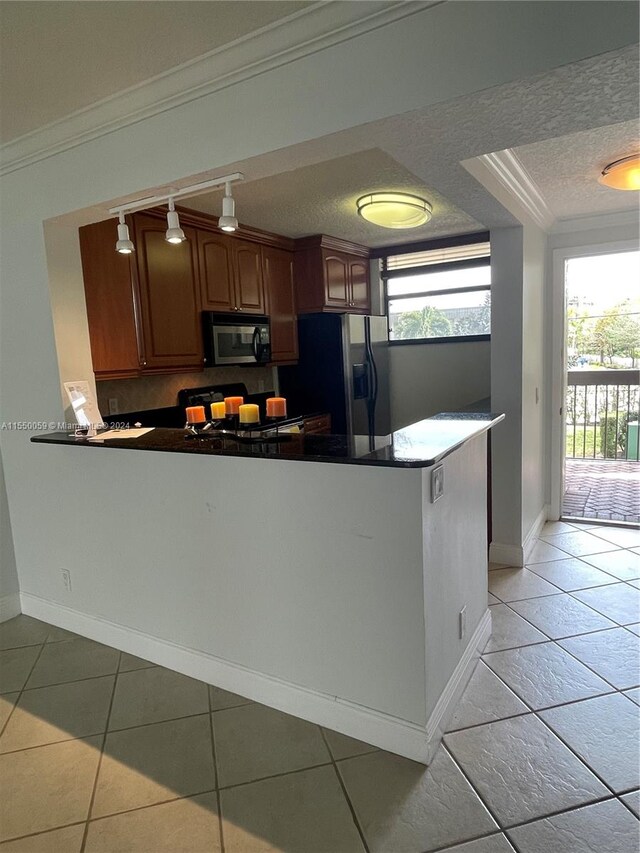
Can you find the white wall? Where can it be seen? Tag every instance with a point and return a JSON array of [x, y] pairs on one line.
[[68, 308], [518, 329], [326, 593], [9, 589], [507, 258], [534, 354], [429, 378]]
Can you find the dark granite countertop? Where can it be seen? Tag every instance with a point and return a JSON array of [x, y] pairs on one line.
[[417, 446]]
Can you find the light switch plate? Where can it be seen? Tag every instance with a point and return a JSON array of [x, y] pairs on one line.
[[437, 483]]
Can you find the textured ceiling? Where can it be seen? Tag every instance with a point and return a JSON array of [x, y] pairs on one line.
[[321, 199], [566, 169], [429, 145], [107, 47]]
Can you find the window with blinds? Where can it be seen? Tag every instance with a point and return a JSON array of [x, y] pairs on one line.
[[439, 294]]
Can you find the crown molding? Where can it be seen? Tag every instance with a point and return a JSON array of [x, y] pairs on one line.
[[593, 221], [506, 167], [308, 31]]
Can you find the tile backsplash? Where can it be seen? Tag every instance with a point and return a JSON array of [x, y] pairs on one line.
[[155, 392]]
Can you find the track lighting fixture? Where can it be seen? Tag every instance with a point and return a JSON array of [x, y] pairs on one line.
[[228, 221], [174, 234], [124, 244]]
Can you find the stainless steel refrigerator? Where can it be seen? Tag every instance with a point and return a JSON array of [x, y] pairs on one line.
[[344, 370]]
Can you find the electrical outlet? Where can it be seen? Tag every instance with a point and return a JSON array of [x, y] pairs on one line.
[[462, 623], [113, 406], [66, 579], [437, 483]]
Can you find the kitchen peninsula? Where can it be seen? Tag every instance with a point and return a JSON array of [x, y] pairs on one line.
[[353, 595]]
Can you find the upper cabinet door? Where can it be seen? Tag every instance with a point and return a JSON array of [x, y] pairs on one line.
[[336, 279], [359, 286], [278, 279], [249, 289], [168, 281], [216, 272], [112, 316]]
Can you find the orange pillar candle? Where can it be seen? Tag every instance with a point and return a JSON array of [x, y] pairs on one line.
[[249, 414], [276, 407], [232, 404], [195, 415], [218, 410]]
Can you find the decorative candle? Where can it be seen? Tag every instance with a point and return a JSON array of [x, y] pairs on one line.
[[218, 410], [249, 414], [276, 407], [232, 404], [195, 415]]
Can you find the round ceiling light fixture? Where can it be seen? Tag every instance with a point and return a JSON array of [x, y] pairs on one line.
[[622, 174], [394, 210]]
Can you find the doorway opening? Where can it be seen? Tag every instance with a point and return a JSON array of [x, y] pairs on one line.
[[601, 411]]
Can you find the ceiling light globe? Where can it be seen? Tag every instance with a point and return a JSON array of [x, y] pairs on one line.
[[394, 210], [623, 174]]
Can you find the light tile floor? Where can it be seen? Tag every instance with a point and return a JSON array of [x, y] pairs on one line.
[[102, 752]]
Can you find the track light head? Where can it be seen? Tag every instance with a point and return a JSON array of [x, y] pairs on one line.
[[124, 245], [228, 221], [174, 234]]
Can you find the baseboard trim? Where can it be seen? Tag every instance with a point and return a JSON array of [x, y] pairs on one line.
[[534, 532], [446, 704], [387, 732], [517, 555], [9, 606]]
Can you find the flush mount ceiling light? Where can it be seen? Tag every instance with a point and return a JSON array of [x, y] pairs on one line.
[[124, 244], [228, 221], [174, 234], [394, 210], [622, 174]]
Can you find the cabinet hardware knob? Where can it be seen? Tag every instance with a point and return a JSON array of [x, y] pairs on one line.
[[144, 363]]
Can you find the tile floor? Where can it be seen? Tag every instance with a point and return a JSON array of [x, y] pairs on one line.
[[105, 753]]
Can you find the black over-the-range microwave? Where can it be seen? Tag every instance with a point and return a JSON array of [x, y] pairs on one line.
[[243, 339]]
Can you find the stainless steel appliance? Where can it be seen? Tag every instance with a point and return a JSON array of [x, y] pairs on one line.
[[343, 369], [236, 340]]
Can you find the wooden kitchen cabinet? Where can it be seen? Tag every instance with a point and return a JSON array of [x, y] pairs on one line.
[[231, 276], [144, 309], [167, 279], [111, 312], [331, 275], [217, 291], [249, 282], [277, 266]]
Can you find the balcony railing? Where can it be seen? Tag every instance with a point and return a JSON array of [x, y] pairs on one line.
[[601, 414]]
